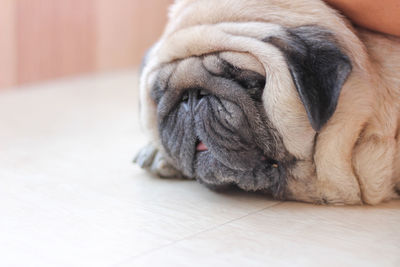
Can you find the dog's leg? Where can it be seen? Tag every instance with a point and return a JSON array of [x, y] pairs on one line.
[[373, 162], [151, 159]]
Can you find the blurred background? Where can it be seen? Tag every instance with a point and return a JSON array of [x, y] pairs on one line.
[[48, 39]]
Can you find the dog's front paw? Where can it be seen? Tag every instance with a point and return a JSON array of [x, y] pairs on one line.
[[151, 159]]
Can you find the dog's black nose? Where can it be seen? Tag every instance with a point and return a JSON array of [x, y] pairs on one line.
[[192, 97]]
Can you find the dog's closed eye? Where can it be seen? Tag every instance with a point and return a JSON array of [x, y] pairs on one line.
[[252, 82]]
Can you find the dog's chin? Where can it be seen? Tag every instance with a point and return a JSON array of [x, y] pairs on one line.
[[259, 175], [218, 169], [212, 164]]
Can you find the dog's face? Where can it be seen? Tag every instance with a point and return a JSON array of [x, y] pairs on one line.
[[227, 117], [213, 125]]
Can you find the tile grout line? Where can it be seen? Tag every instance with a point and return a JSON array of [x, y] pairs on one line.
[[133, 258]]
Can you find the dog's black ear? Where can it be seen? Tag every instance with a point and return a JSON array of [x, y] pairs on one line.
[[318, 67]]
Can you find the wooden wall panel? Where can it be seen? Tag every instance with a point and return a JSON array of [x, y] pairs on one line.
[[126, 29], [8, 56], [46, 39], [55, 38]]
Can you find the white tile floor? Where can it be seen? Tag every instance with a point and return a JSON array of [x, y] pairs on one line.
[[70, 196]]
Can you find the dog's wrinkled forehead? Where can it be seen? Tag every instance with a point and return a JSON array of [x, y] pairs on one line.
[[195, 72]]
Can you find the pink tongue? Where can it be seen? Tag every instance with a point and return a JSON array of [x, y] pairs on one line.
[[201, 147]]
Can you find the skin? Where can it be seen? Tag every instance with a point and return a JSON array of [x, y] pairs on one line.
[[381, 16]]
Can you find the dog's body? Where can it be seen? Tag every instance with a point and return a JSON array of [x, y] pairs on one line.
[[279, 96]]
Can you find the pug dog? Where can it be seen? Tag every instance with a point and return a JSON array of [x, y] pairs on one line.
[[280, 96]]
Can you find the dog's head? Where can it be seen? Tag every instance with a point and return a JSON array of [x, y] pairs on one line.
[[242, 103]]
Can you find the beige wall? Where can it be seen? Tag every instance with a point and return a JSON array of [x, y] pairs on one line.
[[46, 39]]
